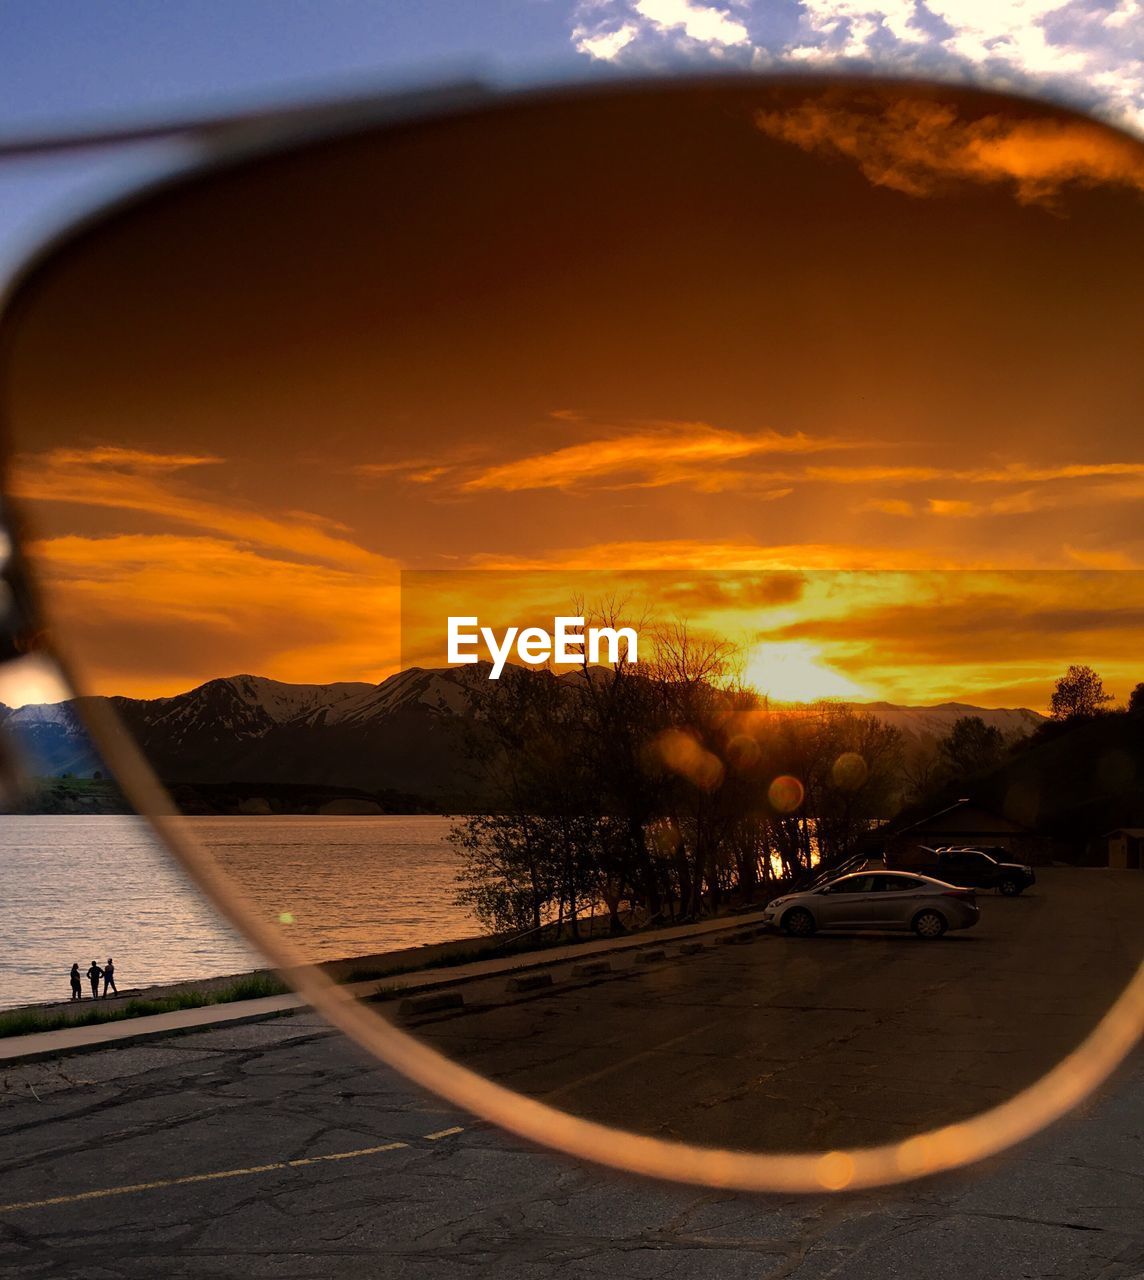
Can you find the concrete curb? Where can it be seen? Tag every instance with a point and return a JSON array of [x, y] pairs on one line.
[[583, 952], [15, 1050]]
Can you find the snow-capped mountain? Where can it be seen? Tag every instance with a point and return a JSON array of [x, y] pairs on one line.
[[397, 735], [447, 691], [935, 722], [52, 737], [239, 707], [404, 734]]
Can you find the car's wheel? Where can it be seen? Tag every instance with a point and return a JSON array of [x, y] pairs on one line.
[[1010, 888], [929, 924], [799, 923]]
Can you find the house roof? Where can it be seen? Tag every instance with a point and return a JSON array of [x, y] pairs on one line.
[[1137, 833], [1002, 824]]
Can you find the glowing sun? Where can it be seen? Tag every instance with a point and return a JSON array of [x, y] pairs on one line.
[[793, 671]]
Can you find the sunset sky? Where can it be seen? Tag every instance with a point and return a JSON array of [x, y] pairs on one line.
[[740, 332]]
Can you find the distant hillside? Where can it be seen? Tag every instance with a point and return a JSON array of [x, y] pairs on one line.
[[52, 739], [936, 722], [402, 737], [397, 737]]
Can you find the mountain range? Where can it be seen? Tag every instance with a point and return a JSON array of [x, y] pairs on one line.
[[397, 737]]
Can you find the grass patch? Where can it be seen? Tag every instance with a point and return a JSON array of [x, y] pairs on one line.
[[26, 1022], [417, 966], [532, 944], [492, 948]]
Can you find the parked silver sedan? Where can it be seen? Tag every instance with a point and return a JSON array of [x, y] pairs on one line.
[[876, 900]]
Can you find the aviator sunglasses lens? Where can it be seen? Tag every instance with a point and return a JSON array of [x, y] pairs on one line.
[[629, 585]]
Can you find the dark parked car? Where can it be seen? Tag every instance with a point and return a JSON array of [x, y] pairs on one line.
[[984, 869]]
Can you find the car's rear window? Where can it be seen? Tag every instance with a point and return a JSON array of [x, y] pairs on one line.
[[895, 884]]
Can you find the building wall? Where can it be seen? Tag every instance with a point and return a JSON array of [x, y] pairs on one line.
[[1124, 852]]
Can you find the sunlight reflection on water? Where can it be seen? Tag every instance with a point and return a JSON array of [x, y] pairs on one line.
[[79, 887]]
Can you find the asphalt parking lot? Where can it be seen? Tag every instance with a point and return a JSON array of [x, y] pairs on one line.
[[839, 1040], [206, 1155]]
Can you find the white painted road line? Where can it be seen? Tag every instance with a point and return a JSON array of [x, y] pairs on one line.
[[160, 1183]]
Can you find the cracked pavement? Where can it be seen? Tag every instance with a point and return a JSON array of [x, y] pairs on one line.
[[1065, 1206], [844, 1040]]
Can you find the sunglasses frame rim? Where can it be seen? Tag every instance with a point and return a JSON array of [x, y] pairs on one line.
[[942, 1149]]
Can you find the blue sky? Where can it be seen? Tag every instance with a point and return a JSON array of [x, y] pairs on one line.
[[83, 58], [75, 59], [81, 62]]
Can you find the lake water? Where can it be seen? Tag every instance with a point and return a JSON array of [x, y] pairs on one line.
[[82, 887]]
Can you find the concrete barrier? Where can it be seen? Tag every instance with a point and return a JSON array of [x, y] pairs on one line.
[[433, 1002], [649, 957], [591, 968], [690, 948], [529, 982]]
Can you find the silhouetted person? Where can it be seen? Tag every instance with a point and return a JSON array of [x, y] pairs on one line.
[[77, 984], [93, 976], [109, 978]]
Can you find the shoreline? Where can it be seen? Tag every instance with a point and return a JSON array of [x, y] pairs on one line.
[[360, 968], [256, 983]]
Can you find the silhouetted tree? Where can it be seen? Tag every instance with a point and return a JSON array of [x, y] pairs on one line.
[[1079, 694], [661, 785], [971, 748], [920, 771], [1136, 701]]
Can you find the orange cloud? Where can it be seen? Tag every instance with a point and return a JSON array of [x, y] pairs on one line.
[[685, 554], [921, 635], [701, 457], [129, 480], [651, 456], [877, 474], [887, 506], [281, 594], [1097, 559], [1022, 473], [153, 614], [1009, 473], [952, 507], [1026, 501], [140, 461], [972, 636], [917, 146], [1047, 487]]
